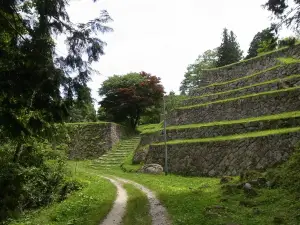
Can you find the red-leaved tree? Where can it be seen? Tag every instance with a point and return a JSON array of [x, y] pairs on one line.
[[127, 97]]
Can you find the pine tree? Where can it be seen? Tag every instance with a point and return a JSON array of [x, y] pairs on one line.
[[229, 50]]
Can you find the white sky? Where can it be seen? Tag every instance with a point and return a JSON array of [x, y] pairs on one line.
[[162, 37]]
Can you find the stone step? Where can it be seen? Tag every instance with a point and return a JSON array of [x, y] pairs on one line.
[[277, 84], [261, 104], [227, 155], [279, 71], [226, 128]]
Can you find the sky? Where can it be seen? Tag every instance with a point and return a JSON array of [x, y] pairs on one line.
[[162, 37]]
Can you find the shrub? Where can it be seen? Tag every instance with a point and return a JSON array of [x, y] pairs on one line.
[[32, 181], [289, 41]]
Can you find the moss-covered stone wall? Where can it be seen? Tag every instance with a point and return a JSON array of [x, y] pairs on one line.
[[91, 140]]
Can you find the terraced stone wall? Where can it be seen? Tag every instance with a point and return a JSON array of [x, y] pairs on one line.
[[254, 65], [221, 130], [278, 72], [258, 105], [91, 140], [225, 157]]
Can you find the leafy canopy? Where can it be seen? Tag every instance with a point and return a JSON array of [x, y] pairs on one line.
[[193, 75], [127, 97]]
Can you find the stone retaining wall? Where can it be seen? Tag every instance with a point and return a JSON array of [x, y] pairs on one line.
[[225, 157], [254, 65], [91, 140], [281, 84], [260, 105], [221, 130], [278, 72]]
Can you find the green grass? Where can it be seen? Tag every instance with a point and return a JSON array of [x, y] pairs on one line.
[[246, 87], [137, 209], [244, 77], [247, 120], [128, 166], [88, 206], [149, 128], [234, 137], [241, 97], [289, 60], [188, 200], [247, 60]]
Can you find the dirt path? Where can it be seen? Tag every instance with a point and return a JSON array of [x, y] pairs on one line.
[[157, 210], [117, 212]]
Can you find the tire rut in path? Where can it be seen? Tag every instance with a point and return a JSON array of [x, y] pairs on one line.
[[116, 214], [158, 212]]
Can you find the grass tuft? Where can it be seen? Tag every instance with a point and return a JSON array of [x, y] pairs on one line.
[[137, 209], [233, 137], [241, 97]]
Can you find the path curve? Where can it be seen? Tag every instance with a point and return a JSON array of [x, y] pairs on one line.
[[117, 212], [158, 212]]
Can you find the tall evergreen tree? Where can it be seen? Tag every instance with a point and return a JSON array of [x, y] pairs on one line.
[[229, 50], [265, 36]]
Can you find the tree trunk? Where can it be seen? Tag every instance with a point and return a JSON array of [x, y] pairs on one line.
[[17, 152]]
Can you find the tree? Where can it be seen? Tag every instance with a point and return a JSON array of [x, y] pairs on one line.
[[126, 98], [192, 77], [229, 50], [32, 75], [32, 79], [82, 109], [266, 36], [289, 15]]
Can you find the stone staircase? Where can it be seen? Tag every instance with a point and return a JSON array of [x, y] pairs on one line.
[[118, 154], [247, 116]]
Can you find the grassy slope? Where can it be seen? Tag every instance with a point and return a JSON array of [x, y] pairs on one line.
[[137, 210], [242, 97], [86, 207], [246, 87], [188, 199], [234, 137]]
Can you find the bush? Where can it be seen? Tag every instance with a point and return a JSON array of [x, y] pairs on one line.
[[287, 42], [68, 187], [32, 181]]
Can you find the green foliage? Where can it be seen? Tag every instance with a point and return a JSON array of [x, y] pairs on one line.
[[150, 128], [229, 51], [89, 205], [131, 96], [82, 109], [260, 39], [193, 76], [288, 41], [173, 101], [35, 180], [289, 14]]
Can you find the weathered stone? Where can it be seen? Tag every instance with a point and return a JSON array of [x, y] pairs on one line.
[[249, 191], [238, 70], [234, 109], [227, 90], [91, 140], [247, 153], [152, 169], [140, 155], [224, 130]]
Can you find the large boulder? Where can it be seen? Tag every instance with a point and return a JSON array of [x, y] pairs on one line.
[[152, 169]]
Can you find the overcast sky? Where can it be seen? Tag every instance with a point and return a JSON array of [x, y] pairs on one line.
[[162, 37]]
